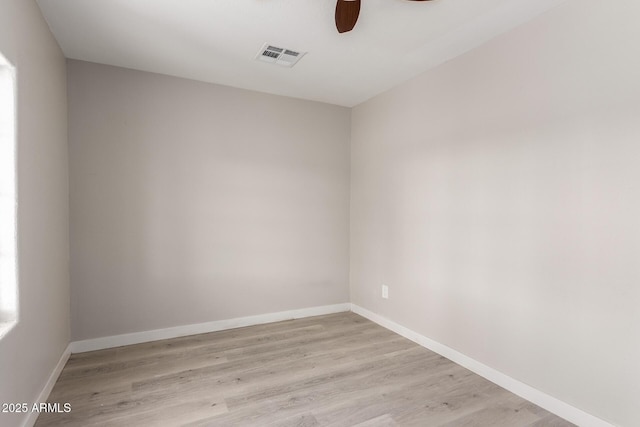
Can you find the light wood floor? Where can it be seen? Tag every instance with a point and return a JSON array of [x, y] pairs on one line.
[[335, 370]]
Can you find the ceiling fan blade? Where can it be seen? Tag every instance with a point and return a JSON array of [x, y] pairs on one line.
[[347, 12]]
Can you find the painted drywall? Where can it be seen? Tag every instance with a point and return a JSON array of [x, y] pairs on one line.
[[30, 351], [193, 202], [498, 197]]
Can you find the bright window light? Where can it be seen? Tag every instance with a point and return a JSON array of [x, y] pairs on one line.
[[8, 242]]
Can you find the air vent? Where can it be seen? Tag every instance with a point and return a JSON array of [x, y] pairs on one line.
[[279, 55]]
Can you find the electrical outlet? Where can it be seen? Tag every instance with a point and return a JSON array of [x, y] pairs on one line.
[[385, 292]]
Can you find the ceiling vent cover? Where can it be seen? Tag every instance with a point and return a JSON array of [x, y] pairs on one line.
[[279, 55]]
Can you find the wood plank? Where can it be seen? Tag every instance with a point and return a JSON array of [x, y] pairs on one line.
[[335, 370]]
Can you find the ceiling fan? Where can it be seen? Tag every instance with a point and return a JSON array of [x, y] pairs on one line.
[[347, 12]]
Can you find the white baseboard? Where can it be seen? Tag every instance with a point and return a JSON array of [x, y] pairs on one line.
[[44, 394], [202, 328], [550, 403]]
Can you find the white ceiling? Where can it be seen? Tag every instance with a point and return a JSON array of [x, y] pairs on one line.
[[216, 40]]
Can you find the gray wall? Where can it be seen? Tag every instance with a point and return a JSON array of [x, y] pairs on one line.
[[29, 352], [192, 202], [498, 196]]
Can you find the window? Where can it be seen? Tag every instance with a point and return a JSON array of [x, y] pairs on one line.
[[8, 242]]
